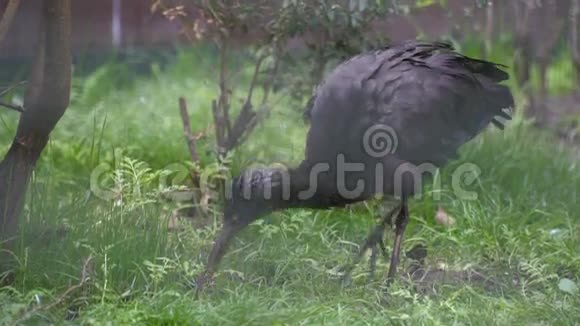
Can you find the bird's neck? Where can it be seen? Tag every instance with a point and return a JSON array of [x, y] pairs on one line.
[[278, 189], [305, 190]]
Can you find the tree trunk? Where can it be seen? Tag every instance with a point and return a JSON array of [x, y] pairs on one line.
[[546, 40], [522, 61], [8, 17], [489, 30], [540, 108], [577, 69], [574, 38], [45, 102]]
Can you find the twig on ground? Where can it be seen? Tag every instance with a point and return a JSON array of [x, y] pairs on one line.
[[191, 140], [85, 277]]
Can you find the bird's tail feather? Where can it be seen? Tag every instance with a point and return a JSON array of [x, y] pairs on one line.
[[500, 101]]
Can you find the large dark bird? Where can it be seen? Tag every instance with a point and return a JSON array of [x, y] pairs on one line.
[[376, 121]]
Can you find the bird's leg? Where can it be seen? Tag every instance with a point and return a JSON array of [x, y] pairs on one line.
[[400, 225], [373, 258], [384, 249], [373, 263], [374, 239]]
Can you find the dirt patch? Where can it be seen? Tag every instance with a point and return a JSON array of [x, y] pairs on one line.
[[428, 280], [431, 280]]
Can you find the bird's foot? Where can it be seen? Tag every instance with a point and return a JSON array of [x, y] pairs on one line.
[[202, 282], [373, 259], [374, 242]]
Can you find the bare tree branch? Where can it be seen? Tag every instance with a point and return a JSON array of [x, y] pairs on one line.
[[175, 13], [7, 89], [187, 130], [255, 77], [221, 22], [224, 103], [16, 108], [248, 118], [7, 18], [219, 128], [246, 113], [271, 80]]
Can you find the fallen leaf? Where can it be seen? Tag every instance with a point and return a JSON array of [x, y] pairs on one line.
[[568, 286], [441, 217], [205, 201], [441, 266], [173, 223]]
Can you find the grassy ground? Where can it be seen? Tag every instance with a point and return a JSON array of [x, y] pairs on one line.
[[511, 258]]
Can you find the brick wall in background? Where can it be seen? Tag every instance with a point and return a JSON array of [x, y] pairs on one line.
[[97, 26], [101, 25]]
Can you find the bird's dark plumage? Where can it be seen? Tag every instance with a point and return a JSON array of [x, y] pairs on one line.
[[432, 100]]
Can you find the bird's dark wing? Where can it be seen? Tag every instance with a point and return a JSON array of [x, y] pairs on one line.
[[434, 98], [439, 100]]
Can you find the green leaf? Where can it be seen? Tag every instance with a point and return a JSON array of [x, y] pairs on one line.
[[424, 3], [568, 286]]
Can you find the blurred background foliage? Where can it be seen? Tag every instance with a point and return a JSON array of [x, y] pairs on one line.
[[123, 133]]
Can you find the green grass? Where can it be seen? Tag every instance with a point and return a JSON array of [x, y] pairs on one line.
[[521, 232]]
